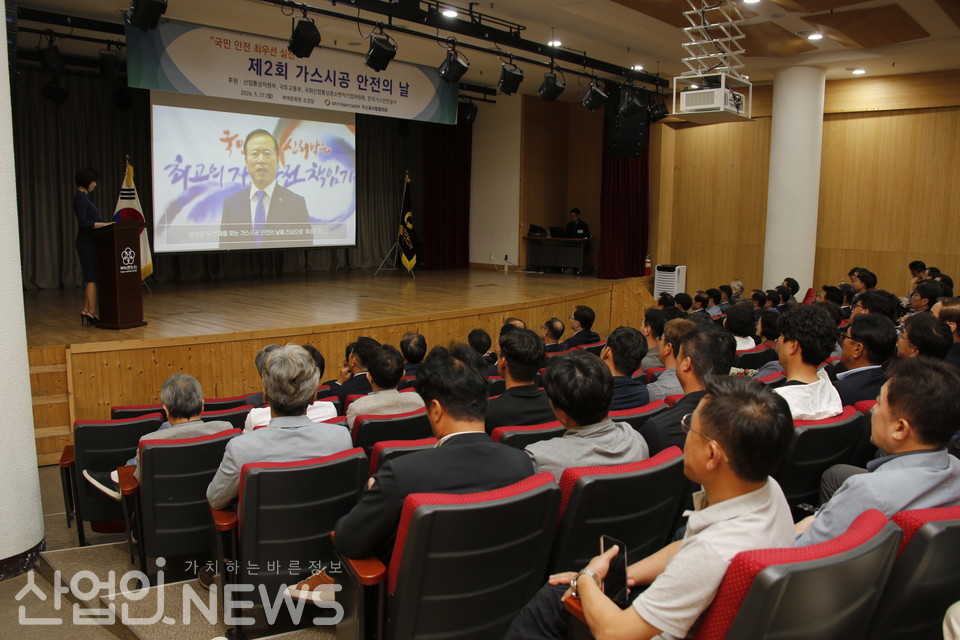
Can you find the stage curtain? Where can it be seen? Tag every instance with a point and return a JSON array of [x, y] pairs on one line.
[[52, 141], [624, 213], [445, 219]]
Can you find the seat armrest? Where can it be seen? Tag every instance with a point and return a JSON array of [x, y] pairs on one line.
[[128, 481], [369, 571], [224, 519], [574, 607], [66, 458]]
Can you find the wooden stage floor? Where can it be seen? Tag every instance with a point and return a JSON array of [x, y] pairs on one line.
[[202, 308]]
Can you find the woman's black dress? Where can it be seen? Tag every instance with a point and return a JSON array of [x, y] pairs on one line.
[[87, 214]]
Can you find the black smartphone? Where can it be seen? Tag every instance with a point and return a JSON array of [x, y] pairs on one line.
[[615, 584]]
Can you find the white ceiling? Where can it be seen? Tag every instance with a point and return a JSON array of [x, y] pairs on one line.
[[605, 29]]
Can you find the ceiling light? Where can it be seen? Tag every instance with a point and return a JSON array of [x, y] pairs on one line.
[[551, 88], [382, 50], [304, 37], [637, 67], [858, 71], [449, 13], [815, 36], [595, 97], [453, 67], [554, 43], [694, 86], [510, 78], [750, 1]]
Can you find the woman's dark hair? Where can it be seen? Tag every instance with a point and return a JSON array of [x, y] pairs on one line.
[[86, 175], [740, 320]]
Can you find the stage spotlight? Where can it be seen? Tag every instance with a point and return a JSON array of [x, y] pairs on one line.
[[594, 98], [510, 78], [146, 13], [630, 104], [381, 52], [467, 112], [109, 61], [453, 67], [551, 88], [658, 111], [304, 38], [51, 58], [54, 92]]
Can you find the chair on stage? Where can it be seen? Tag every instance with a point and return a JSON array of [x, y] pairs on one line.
[[169, 503], [636, 503], [926, 576], [371, 429], [463, 565], [521, 436], [387, 450], [638, 417], [98, 446]]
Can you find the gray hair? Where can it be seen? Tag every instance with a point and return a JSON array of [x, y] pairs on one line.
[[182, 396], [262, 356], [737, 285], [290, 379]]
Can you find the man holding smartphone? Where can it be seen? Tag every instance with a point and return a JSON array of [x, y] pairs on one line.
[[736, 438]]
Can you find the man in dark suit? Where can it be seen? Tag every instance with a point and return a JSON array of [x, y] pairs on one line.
[[521, 355], [707, 351], [948, 310], [413, 346], [577, 228], [868, 342], [624, 350], [352, 377], [551, 332], [266, 214], [581, 321], [454, 388]]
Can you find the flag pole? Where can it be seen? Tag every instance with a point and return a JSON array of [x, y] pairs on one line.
[[395, 247]]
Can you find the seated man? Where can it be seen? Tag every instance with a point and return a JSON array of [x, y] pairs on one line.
[[182, 400], [868, 342], [666, 383], [581, 321], [925, 335], [551, 332], [807, 336], [948, 310], [683, 302], [318, 411], [413, 346], [735, 439], [453, 386], [521, 356], [386, 369], [726, 293], [256, 399], [706, 352], [924, 296], [652, 328], [580, 387], [713, 308], [479, 340], [877, 301], [912, 424], [622, 354], [290, 379], [352, 377]]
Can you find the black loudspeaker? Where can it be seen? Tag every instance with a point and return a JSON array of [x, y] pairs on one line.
[[146, 13], [304, 38], [624, 136], [466, 112], [380, 53]]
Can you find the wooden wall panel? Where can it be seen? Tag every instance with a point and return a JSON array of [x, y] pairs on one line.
[[889, 194], [719, 202]]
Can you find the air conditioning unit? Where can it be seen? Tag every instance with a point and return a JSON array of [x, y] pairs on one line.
[[670, 278], [722, 99]]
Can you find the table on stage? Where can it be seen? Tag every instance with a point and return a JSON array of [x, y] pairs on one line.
[[560, 253]]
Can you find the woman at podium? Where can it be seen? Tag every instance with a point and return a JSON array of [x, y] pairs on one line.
[[88, 219]]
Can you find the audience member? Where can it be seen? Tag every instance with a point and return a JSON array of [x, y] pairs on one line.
[[700, 303], [786, 298], [713, 309], [182, 400], [652, 328], [551, 331], [256, 399], [521, 355], [706, 352], [736, 438], [946, 285], [683, 302], [931, 272], [479, 340], [666, 383], [514, 322], [453, 384], [386, 369], [807, 335], [917, 267], [580, 389], [924, 296], [773, 300], [948, 310], [352, 377], [290, 379], [413, 346], [846, 307], [917, 414], [868, 342], [739, 322], [622, 354], [833, 294], [318, 411], [737, 287], [925, 335], [877, 301], [863, 280], [836, 315], [794, 288], [672, 313], [581, 321], [759, 299], [726, 297], [665, 300]]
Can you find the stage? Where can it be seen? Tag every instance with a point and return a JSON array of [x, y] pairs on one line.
[[213, 329]]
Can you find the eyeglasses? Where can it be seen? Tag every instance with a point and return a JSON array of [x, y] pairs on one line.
[[846, 336], [687, 427]]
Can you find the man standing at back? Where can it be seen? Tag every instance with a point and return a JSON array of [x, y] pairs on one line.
[[521, 356], [581, 321]]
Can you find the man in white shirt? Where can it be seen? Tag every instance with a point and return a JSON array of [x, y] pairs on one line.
[[807, 336]]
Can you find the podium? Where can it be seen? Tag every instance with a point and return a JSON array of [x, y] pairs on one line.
[[118, 275]]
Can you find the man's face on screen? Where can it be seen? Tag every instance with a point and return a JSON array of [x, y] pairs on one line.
[[262, 160]]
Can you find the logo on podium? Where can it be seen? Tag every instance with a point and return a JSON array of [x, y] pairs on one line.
[[128, 260]]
